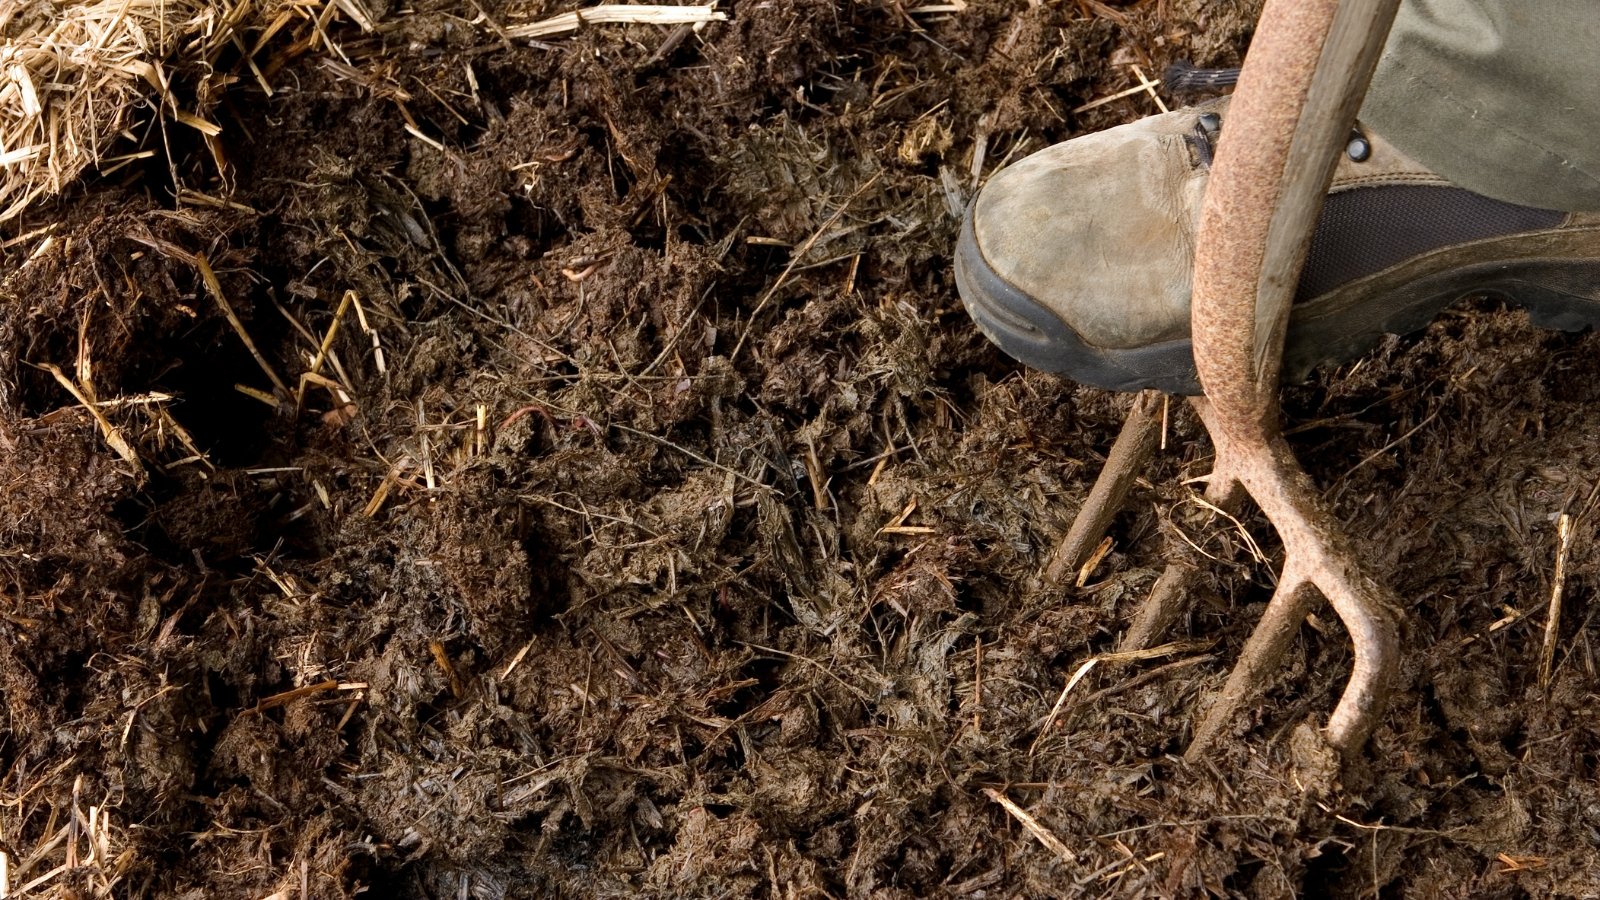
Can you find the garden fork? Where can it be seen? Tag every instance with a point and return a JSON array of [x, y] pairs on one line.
[[1304, 78]]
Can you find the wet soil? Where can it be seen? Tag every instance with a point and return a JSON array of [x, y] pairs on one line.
[[656, 524]]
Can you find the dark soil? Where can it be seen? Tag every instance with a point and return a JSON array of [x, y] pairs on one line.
[[584, 587]]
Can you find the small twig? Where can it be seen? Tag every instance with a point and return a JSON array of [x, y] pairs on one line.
[[385, 487], [280, 699], [41, 880], [1150, 87], [1144, 85], [1144, 678], [1124, 464], [1089, 565], [695, 456], [673, 40], [1392, 444], [324, 346], [441, 658], [978, 686], [956, 6], [794, 260], [860, 694], [1250, 544], [1552, 623], [215, 287], [1029, 822], [1061, 701], [515, 661], [377, 346], [614, 14], [1120, 656], [112, 435]]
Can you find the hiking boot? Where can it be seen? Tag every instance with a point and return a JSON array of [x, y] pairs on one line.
[[1077, 259]]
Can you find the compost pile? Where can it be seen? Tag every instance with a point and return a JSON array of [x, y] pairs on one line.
[[443, 462]]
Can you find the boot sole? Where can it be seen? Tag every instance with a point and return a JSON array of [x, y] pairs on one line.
[[1560, 289]]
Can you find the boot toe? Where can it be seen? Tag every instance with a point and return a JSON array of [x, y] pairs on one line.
[[1076, 260]]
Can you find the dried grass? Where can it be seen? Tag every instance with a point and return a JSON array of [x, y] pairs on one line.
[[615, 14], [72, 73], [69, 75]]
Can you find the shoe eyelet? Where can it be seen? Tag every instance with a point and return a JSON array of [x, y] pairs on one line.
[[1200, 142], [1210, 122], [1359, 149]]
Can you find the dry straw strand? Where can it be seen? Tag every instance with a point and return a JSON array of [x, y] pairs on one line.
[[615, 14], [69, 75], [72, 73]]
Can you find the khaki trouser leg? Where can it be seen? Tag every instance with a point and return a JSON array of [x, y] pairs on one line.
[[1501, 97]]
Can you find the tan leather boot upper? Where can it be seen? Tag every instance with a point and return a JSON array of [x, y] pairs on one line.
[[1101, 228]]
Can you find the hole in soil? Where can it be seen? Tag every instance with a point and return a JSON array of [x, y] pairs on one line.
[[222, 695], [434, 713], [141, 524], [766, 673], [1324, 875], [1243, 878], [542, 226], [694, 233], [153, 174], [230, 427], [646, 228], [361, 873], [70, 692], [134, 514], [966, 599]]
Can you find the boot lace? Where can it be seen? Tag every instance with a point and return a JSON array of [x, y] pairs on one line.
[[1183, 79]]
